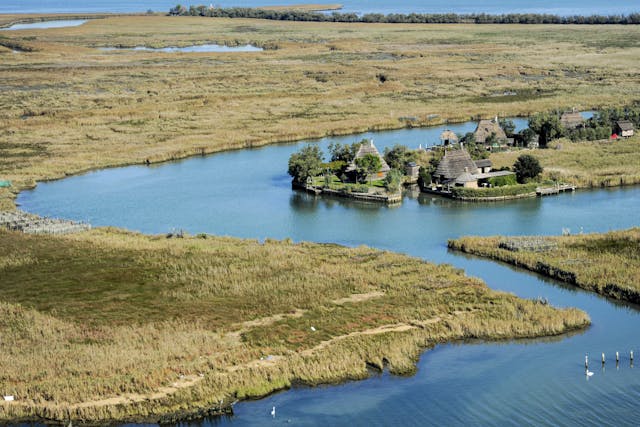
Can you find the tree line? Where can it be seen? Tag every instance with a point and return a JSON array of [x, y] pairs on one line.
[[601, 126], [400, 18]]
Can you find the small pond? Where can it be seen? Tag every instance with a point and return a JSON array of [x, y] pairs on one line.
[[46, 24]]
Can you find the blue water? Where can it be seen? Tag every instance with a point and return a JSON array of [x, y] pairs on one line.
[[46, 24], [535, 382], [567, 7], [197, 48]]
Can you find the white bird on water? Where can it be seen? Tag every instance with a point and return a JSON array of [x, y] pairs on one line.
[[589, 373], [273, 412]]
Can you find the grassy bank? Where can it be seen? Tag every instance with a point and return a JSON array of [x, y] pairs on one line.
[[108, 325], [69, 107], [585, 164], [608, 263]]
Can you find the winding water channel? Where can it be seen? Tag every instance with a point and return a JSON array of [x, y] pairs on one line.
[[536, 382]]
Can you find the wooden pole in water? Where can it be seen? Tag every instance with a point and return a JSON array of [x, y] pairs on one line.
[[631, 355], [617, 357], [586, 361], [603, 358]]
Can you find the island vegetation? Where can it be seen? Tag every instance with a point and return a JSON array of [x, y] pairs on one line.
[[606, 263], [108, 325], [356, 171], [592, 164]]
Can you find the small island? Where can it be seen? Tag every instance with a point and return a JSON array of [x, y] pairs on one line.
[[357, 171]]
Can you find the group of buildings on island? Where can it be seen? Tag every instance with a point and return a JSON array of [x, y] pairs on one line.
[[457, 168]]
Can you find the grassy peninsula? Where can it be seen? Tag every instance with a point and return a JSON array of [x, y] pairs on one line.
[[68, 106], [109, 325], [607, 263], [585, 164]]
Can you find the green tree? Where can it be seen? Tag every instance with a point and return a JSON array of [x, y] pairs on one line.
[[368, 165], [398, 156], [344, 152], [527, 136], [306, 163], [547, 125], [507, 126], [526, 167], [393, 181], [424, 176], [469, 138]]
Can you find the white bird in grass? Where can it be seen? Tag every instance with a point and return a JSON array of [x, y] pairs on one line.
[[273, 412]]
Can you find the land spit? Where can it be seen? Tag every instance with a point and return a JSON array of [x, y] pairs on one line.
[[583, 260], [144, 328], [34, 224]]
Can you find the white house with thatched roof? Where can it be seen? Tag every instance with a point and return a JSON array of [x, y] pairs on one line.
[[457, 169], [367, 147]]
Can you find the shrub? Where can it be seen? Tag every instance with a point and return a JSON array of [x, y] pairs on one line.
[[501, 181], [526, 167], [359, 188], [393, 181]]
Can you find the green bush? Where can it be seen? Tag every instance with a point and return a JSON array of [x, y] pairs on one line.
[[501, 181], [527, 167], [393, 181], [508, 190], [359, 188]]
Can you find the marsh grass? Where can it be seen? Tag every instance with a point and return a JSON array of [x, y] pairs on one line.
[[102, 325], [83, 108], [585, 164], [607, 263]]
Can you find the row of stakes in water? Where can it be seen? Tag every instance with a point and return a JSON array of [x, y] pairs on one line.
[[586, 361]]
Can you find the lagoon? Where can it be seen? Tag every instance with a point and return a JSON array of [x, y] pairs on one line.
[[568, 7], [247, 193]]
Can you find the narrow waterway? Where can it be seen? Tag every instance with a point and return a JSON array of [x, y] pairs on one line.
[[248, 194]]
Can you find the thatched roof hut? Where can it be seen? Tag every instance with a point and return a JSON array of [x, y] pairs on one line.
[[453, 164], [367, 147], [486, 128], [571, 120], [448, 137]]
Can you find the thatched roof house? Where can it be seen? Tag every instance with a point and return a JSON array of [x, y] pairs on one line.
[[488, 127], [624, 128], [457, 168], [367, 147], [453, 164], [571, 120], [448, 137]]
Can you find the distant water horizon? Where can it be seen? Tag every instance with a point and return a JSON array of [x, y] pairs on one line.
[[566, 8]]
